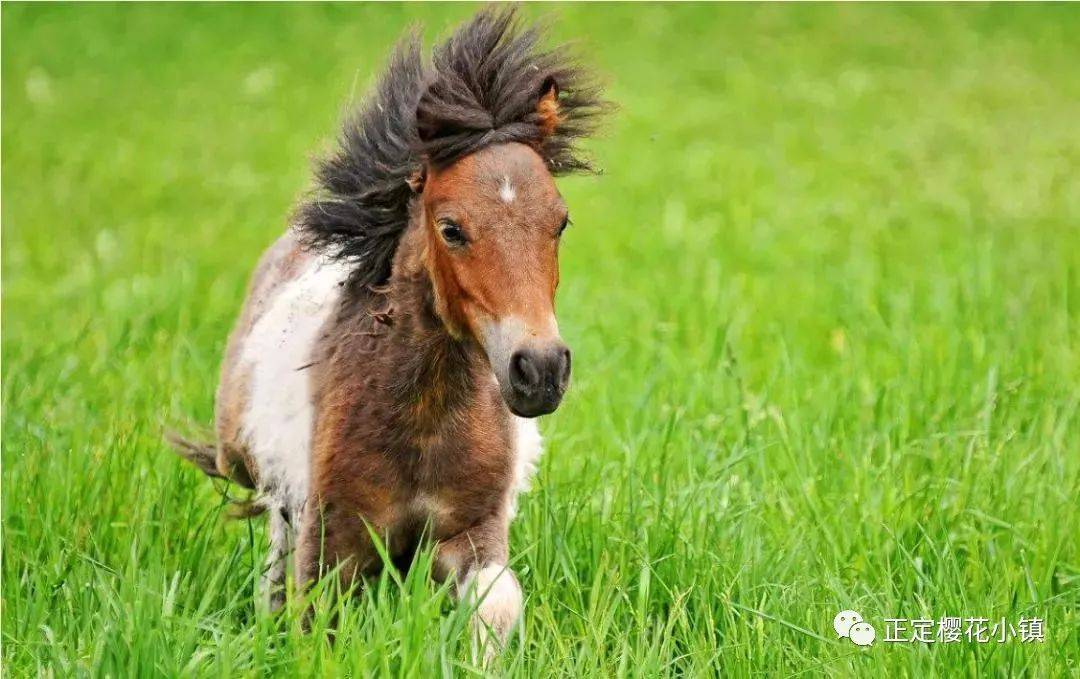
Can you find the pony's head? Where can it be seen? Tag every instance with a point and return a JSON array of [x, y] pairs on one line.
[[493, 221], [468, 148]]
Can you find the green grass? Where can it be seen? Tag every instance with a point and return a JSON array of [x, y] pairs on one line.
[[823, 303]]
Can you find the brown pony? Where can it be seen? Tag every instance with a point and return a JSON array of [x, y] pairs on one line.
[[396, 341]]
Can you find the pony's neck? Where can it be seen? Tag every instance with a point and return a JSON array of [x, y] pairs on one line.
[[437, 375]]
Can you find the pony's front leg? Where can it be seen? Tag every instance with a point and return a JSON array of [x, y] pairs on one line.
[[329, 539], [477, 559]]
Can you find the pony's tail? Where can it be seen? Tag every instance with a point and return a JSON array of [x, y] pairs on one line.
[[204, 456]]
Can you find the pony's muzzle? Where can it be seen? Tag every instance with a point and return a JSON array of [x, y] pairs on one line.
[[539, 375]]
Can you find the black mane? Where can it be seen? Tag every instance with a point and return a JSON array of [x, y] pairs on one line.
[[481, 88]]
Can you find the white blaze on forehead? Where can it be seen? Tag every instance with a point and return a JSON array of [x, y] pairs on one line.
[[506, 190]]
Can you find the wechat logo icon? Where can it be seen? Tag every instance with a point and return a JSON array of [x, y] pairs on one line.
[[850, 624]]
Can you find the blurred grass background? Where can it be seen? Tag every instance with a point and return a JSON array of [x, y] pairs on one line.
[[823, 303]]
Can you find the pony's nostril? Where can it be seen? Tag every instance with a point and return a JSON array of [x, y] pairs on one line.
[[523, 373], [565, 376]]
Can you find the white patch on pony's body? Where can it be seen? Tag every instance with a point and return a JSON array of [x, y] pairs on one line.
[[280, 415], [528, 446], [507, 194]]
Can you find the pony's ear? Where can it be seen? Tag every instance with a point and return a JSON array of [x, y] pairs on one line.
[[547, 107], [416, 179]]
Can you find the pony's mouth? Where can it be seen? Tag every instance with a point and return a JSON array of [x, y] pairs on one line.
[[534, 408]]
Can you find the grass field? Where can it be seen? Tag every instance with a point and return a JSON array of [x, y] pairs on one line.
[[824, 305]]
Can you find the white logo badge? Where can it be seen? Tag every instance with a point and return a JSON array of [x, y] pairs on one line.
[[850, 624]]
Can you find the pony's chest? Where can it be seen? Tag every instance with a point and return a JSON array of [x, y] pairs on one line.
[[450, 490]]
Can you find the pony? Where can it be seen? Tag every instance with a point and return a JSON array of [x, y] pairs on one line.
[[398, 340]]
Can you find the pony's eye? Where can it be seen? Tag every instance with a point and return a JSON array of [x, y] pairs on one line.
[[452, 233], [562, 227]]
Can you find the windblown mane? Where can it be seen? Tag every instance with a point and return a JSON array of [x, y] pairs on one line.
[[481, 88]]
